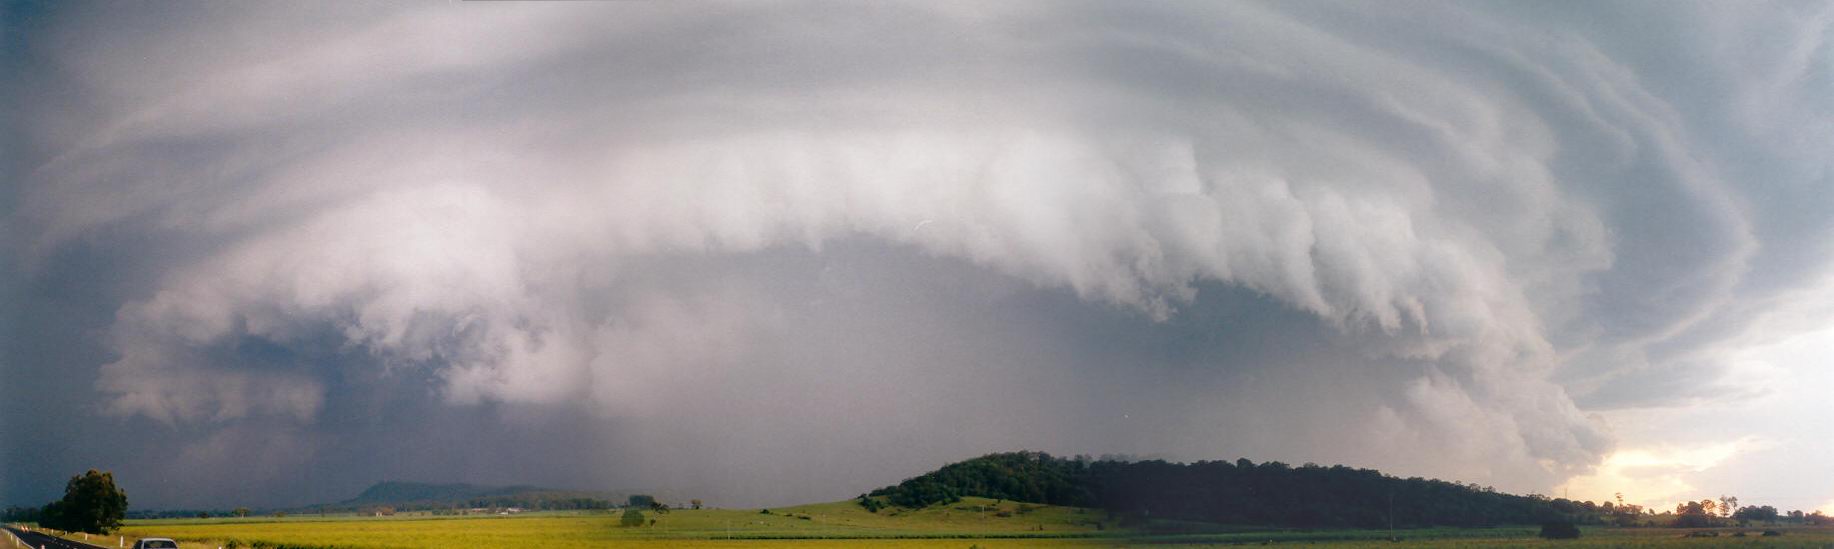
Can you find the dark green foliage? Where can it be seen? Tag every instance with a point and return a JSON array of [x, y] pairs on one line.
[[1239, 492], [1560, 530], [641, 501], [1772, 533], [1692, 515], [872, 505], [92, 503], [1756, 513], [632, 517]]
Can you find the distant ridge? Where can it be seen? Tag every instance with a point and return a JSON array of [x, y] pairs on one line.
[[402, 492], [419, 496]]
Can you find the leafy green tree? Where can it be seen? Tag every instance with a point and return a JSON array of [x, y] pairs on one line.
[[240, 512], [1694, 514], [642, 501], [632, 517], [1818, 518], [1757, 513], [92, 503]]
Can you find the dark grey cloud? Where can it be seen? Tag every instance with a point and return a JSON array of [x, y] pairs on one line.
[[774, 253]]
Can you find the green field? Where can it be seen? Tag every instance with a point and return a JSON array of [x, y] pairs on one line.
[[971, 522]]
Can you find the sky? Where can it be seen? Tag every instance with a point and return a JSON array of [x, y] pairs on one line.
[[759, 253]]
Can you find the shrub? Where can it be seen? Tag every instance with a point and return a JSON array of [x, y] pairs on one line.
[[1703, 534], [632, 517], [1559, 530], [871, 505]]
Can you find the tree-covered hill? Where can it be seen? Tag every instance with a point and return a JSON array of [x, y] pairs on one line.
[[1239, 492]]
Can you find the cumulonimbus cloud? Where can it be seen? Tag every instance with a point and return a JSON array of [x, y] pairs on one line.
[[454, 187]]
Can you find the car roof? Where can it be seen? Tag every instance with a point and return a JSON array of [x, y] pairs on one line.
[[155, 539]]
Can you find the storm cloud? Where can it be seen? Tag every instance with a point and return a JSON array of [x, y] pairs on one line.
[[786, 252]]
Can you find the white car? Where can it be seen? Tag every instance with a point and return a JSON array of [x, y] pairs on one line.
[[155, 543]]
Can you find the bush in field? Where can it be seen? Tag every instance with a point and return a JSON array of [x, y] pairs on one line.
[[641, 501], [1559, 530], [632, 517]]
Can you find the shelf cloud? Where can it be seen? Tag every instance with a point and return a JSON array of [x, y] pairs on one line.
[[752, 238]]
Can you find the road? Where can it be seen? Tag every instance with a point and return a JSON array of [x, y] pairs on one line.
[[43, 541]]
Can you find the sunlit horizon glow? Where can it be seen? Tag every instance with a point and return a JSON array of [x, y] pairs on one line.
[[1653, 477]]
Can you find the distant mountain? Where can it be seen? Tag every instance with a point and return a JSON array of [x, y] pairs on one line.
[[412, 496], [403, 492], [1239, 492]]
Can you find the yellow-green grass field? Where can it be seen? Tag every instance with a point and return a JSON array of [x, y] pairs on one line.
[[973, 521], [969, 523]]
